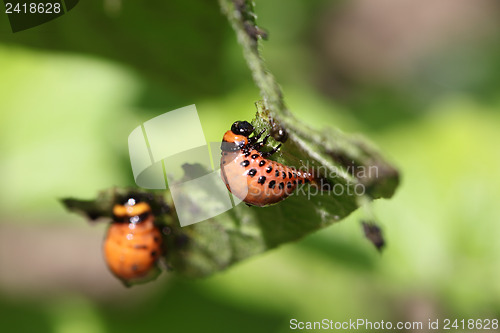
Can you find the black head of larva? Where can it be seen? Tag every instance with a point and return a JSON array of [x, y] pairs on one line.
[[131, 199], [242, 128]]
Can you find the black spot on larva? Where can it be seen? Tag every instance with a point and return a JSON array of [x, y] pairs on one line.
[[156, 239], [269, 169], [294, 182], [245, 163], [272, 184], [135, 267], [252, 172], [289, 174], [254, 156], [247, 154], [261, 163], [284, 175], [306, 180], [300, 182], [140, 247], [277, 173], [281, 186], [289, 185], [153, 254], [261, 180], [223, 161], [294, 175]]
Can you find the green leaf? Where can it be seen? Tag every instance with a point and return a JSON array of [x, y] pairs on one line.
[[215, 244], [156, 39], [352, 168]]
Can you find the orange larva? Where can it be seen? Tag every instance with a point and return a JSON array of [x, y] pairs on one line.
[[247, 172], [133, 243]]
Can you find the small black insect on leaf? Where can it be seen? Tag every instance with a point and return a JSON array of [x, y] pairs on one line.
[[254, 31], [248, 18], [374, 234], [278, 132]]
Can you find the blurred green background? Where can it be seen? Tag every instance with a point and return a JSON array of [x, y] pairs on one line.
[[421, 78]]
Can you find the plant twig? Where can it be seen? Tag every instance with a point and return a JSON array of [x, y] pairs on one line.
[[331, 148], [240, 15]]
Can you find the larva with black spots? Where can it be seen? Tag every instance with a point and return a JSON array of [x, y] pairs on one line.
[[249, 175], [133, 243]]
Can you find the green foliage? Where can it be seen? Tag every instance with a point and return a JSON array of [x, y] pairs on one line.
[[68, 137], [142, 37], [204, 248]]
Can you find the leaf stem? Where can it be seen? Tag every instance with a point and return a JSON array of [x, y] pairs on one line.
[[239, 13]]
